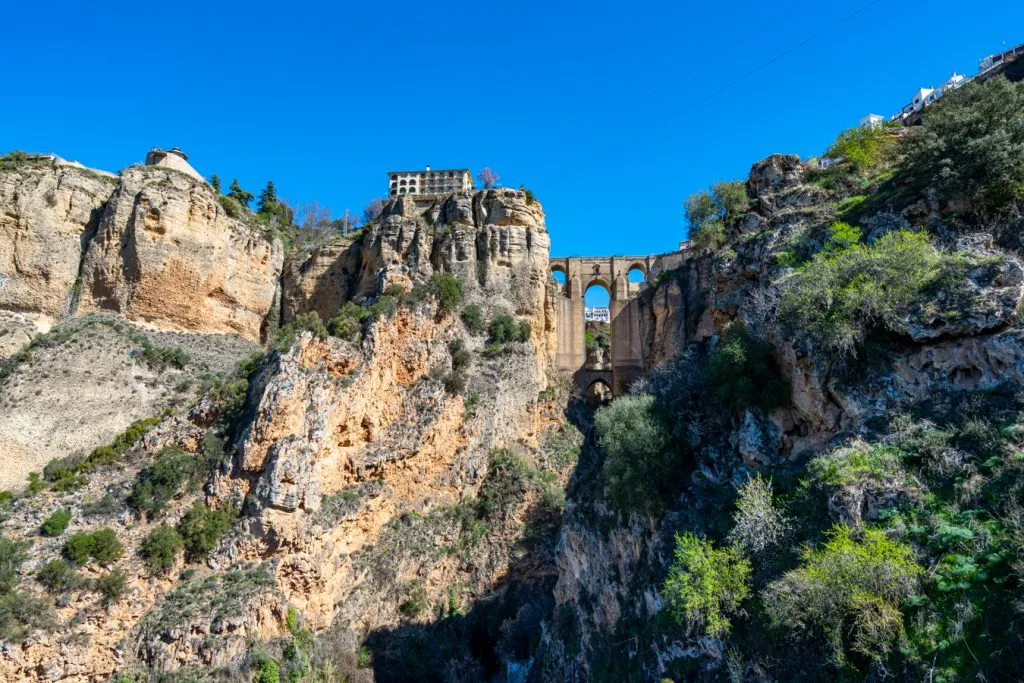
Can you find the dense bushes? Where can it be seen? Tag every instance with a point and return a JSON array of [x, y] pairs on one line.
[[706, 584], [160, 549], [758, 525], [865, 148], [448, 290], [744, 374], [111, 586], [841, 294], [640, 466], [505, 328], [101, 545], [971, 145], [847, 593], [202, 528], [473, 318], [163, 479], [58, 576]]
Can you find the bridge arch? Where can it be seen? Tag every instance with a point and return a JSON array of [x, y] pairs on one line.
[[598, 392]]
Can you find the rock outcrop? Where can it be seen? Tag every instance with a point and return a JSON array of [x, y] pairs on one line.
[[166, 253], [47, 216]]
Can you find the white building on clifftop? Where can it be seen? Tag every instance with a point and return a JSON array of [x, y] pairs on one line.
[[429, 182], [172, 158]]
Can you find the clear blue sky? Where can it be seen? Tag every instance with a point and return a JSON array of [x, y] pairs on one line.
[[612, 113]]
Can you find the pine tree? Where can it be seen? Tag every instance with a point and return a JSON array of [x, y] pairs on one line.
[[268, 199], [239, 195], [215, 183]]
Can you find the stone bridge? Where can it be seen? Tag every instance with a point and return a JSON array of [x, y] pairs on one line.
[[627, 348]]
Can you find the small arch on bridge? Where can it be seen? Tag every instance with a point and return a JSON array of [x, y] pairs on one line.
[[598, 393], [637, 273]]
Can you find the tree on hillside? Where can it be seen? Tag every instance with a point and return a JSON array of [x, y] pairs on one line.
[[970, 145], [708, 212], [215, 183], [268, 200], [373, 209], [488, 177], [241, 196]]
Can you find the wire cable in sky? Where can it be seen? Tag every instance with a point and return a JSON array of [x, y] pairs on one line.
[[739, 79]]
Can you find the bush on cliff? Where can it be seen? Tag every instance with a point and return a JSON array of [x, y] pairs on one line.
[[160, 549], [846, 595], [639, 465], [840, 295], [971, 145], [163, 479], [744, 373], [706, 585], [202, 529], [865, 148], [448, 290]]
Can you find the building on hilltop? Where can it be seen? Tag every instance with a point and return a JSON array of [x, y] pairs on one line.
[[599, 314], [172, 158], [429, 181], [872, 121]]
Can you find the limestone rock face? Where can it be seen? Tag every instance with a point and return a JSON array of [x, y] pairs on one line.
[[46, 217], [495, 241], [166, 253]]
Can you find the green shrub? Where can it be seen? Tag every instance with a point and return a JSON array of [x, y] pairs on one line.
[[66, 474], [503, 328], [708, 237], [865, 148], [847, 593], [839, 296], [202, 529], [163, 479], [639, 464], [415, 604], [231, 206], [56, 523], [101, 545], [59, 577], [970, 144], [461, 357], [525, 331], [106, 548], [348, 324], [21, 613], [744, 373], [448, 290], [706, 585], [78, 547], [304, 322], [112, 586], [161, 548], [854, 465], [454, 383], [267, 669], [160, 357], [473, 318], [12, 555]]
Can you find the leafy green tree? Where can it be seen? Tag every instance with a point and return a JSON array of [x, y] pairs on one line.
[[635, 443], [971, 145], [215, 183], [706, 585], [241, 196], [758, 525], [709, 211], [161, 548], [865, 148]]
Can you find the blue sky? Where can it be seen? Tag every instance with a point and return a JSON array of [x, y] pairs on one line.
[[612, 113]]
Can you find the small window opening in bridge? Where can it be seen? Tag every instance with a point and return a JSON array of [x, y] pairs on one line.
[[637, 275], [559, 276], [597, 331], [597, 393]]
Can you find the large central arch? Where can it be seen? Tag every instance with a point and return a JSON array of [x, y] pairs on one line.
[[612, 272]]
